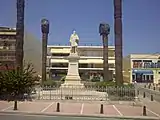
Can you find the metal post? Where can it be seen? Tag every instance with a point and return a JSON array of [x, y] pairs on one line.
[[136, 92], [101, 109], [58, 107], [144, 111], [15, 105], [151, 97], [50, 93], [154, 88], [39, 93], [144, 95]]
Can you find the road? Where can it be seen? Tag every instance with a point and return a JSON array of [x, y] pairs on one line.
[[43, 117]]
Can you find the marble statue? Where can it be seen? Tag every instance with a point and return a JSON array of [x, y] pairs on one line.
[[74, 40]]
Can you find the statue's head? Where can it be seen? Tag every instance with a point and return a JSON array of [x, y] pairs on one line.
[[74, 32]]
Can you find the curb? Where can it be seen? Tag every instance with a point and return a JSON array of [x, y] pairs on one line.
[[78, 116]]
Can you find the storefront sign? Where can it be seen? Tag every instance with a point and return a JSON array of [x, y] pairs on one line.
[[146, 65]]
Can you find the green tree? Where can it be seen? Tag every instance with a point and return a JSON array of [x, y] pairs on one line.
[[15, 83]]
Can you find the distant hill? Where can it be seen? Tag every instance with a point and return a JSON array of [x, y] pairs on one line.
[[33, 51]]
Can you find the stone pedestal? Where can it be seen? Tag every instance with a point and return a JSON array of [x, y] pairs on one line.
[[73, 78]]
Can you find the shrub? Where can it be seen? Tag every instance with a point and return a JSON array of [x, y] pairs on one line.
[[51, 83], [95, 79], [105, 84]]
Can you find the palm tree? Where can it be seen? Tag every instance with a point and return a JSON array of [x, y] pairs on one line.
[[45, 31], [104, 30], [118, 40], [20, 33]]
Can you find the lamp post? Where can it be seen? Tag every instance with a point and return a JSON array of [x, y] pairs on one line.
[[20, 33], [118, 40], [45, 32], [104, 30]]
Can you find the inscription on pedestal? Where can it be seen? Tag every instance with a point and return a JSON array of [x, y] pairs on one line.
[[73, 64]]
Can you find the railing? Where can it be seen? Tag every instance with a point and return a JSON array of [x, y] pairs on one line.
[[11, 58], [90, 93]]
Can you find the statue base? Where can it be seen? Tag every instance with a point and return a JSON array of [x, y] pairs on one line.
[[73, 78]]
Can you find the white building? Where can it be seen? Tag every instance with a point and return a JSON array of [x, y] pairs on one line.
[[90, 62], [142, 68]]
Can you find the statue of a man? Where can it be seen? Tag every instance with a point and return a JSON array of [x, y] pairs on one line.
[[74, 40]]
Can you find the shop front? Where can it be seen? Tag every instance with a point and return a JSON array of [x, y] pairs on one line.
[[142, 76]]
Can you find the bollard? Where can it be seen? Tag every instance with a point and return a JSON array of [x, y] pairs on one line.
[[101, 109], [144, 95], [144, 86], [151, 97], [149, 86], [15, 105], [144, 111], [58, 107], [154, 88], [137, 92]]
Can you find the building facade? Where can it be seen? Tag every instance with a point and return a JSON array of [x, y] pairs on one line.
[[32, 49], [142, 68], [7, 47], [90, 63]]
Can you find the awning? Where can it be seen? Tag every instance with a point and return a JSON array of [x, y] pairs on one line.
[[59, 61], [142, 71], [97, 61], [63, 50], [7, 33]]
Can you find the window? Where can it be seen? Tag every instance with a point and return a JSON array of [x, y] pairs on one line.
[[59, 64], [83, 65], [147, 60], [12, 46], [136, 60], [60, 54], [147, 77], [143, 77], [133, 77], [111, 54], [111, 65]]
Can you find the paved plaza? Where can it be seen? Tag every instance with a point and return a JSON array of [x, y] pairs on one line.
[[48, 110]]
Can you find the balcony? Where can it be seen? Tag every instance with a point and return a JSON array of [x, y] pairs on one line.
[[81, 57], [7, 48], [66, 68], [7, 40], [88, 61], [7, 58]]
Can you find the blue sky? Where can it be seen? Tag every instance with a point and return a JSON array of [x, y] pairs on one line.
[[141, 21]]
